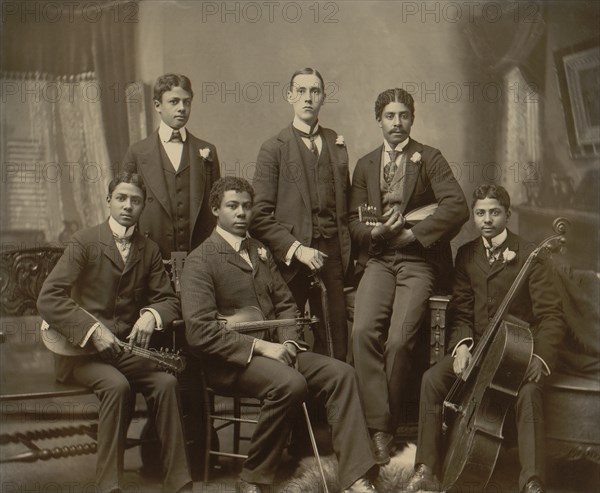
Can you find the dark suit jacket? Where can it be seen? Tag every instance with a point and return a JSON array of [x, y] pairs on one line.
[[91, 276], [431, 181], [282, 211], [156, 222], [480, 288], [216, 279]]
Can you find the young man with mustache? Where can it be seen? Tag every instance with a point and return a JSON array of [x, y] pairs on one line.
[[399, 263]]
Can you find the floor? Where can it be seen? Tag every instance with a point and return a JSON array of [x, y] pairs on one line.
[[75, 474]]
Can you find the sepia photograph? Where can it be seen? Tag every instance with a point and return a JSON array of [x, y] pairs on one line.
[[308, 246]]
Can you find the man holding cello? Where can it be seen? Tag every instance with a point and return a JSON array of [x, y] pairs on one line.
[[486, 268]]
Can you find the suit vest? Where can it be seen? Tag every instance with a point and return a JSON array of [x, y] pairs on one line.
[[178, 188], [322, 189]]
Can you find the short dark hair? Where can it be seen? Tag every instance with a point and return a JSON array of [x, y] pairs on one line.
[[497, 192], [307, 71], [127, 177], [168, 81], [395, 95], [226, 183]]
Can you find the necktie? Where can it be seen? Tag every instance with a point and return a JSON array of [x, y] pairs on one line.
[[311, 137], [123, 245], [491, 252], [245, 245], [389, 170], [176, 137]]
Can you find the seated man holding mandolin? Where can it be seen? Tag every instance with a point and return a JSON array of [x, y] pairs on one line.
[[498, 276], [400, 261], [108, 287], [221, 279]]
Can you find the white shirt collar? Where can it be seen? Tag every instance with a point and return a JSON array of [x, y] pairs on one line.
[[234, 241], [120, 231], [303, 127], [399, 147], [496, 240], [165, 132]]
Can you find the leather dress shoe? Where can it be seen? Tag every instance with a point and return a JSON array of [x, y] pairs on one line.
[[382, 447], [422, 479], [246, 487], [361, 485], [534, 485]]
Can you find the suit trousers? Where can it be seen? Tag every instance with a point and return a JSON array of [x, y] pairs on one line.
[[390, 305], [282, 390], [332, 274], [528, 411], [115, 384]]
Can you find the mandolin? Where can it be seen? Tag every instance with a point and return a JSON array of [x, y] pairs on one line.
[[171, 362], [368, 214], [250, 320], [476, 406]]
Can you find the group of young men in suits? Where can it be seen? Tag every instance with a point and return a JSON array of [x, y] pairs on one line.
[[301, 214]]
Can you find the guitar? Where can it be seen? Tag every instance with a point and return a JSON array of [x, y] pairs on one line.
[[171, 362], [368, 214], [250, 320]]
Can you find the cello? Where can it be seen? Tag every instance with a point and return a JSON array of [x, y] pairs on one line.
[[475, 408]]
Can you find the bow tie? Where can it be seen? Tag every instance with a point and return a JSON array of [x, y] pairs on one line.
[[176, 137]]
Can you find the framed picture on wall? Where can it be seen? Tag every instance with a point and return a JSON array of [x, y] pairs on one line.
[[578, 71]]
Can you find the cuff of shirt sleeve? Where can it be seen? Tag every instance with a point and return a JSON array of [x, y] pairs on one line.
[[89, 334], [290, 253], [548, 372], [159, 324], [295, 343], [466, 340], [251, 351]]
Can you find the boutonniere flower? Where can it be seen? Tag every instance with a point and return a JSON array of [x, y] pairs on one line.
[[205, 154], [340, 140], [416, 158], [508, 256], [262, 253]]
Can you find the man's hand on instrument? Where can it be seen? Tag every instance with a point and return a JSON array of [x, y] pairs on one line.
[[142, 330], [391, 228], [535, 370], [462, 359], [275, 351], [311, 257], [105, 343]]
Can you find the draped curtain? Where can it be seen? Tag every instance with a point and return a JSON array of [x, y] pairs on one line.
[[89, 57], [512, 52]]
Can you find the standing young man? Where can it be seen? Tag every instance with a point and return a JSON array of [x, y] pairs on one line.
[[400, 262], [229, 272], [486, 267], [178, 170], [110, 285], [301, 184]]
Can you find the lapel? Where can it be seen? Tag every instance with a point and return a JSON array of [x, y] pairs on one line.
[[480, 257], [231, 256], [411, 173], [108, 246], [135, 253], [292, 160], [152, 171], [511, 243], [373, 178], [339, 162], [198, 176]]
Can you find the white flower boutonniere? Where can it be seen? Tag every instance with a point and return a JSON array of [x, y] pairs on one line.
[[340, 140], [205, 154], [262, 253], [508, 256], [416, 158]]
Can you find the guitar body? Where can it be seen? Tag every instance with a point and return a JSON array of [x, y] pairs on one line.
[[475, 435]]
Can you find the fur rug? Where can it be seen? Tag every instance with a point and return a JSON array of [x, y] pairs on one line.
[[306, 478]]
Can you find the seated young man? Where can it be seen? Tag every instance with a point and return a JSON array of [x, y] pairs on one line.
[[109, 286], [485, 270], [231, 271]]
